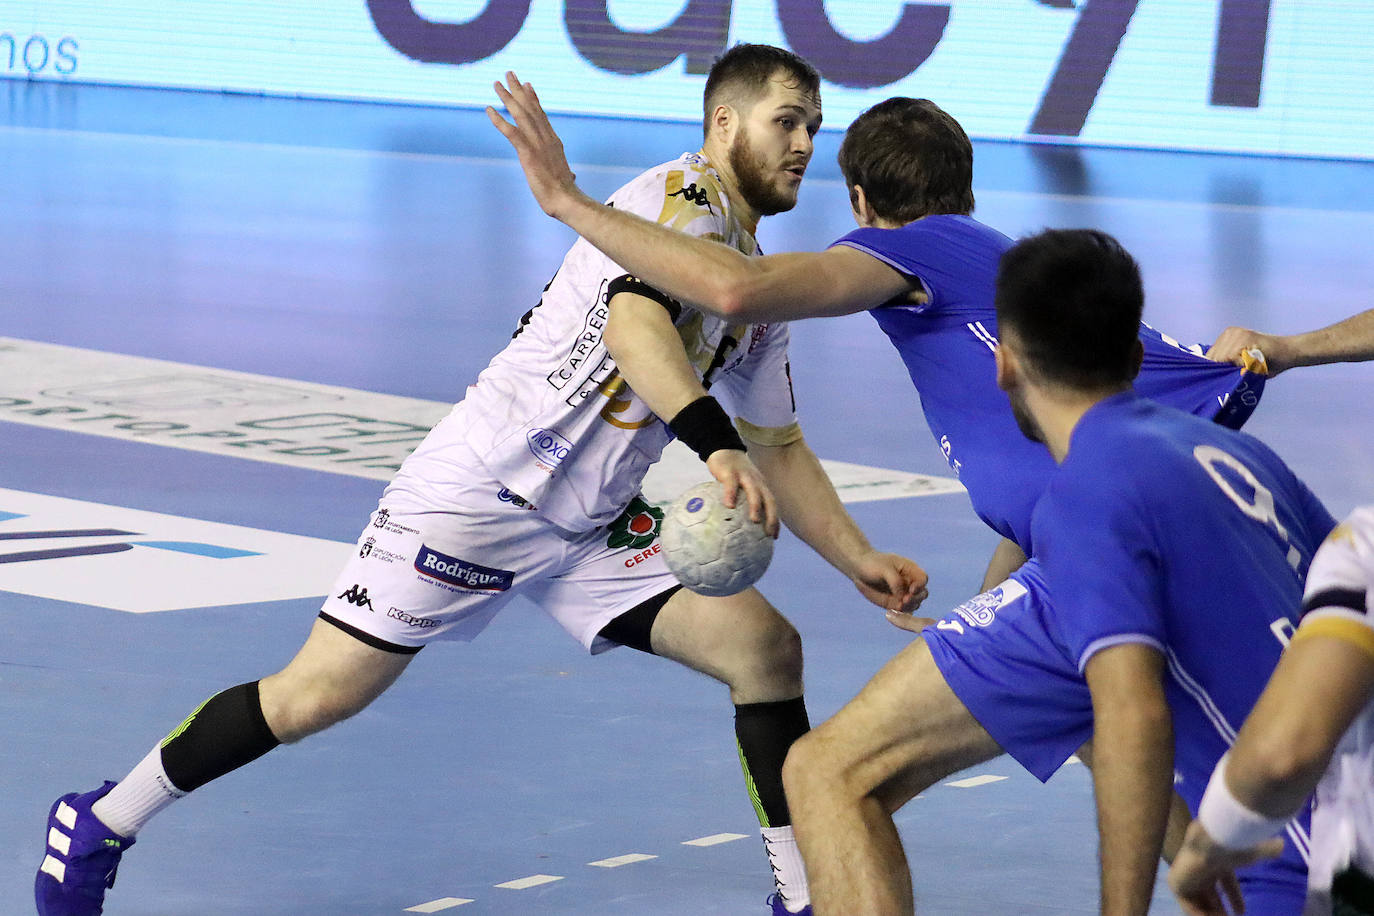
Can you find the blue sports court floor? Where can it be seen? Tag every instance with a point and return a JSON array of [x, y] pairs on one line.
[[257, 302]]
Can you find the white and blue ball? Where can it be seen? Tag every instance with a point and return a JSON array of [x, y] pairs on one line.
[[714, 550]]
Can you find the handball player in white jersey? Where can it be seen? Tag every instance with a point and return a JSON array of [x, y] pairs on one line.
[[531, 487], [1313, 728]]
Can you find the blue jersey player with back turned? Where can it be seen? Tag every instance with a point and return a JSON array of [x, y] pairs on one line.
[[1175, 551]]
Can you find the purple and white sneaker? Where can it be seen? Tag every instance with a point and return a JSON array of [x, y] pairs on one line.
[[780, 909], [81, 859]]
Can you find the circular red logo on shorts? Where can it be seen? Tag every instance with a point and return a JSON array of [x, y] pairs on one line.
[[642, 523]]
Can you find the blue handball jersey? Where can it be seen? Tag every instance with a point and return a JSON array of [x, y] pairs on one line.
[[947, 344], [1162, 528]]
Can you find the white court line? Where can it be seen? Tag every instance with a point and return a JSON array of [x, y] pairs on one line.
[[434, 906], [974, 781], [628, 859], [520, 884], [715, 839]]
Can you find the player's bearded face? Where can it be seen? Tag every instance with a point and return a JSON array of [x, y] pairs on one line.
[[762, 184], [772, 147]]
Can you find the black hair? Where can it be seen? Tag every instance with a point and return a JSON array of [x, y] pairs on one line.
[[1073, 299]]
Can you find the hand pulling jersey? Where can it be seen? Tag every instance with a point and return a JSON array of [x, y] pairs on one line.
[[552, 418]]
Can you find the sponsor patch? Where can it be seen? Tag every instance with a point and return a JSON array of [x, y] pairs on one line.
[[382, 519], [981, 611], [548, 447], [423, 623], [515, 499], [453, 571], [637, 527], [369, 549]]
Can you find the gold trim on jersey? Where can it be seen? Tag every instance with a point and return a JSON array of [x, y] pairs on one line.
[[1346, 630], [620, 399], [769, 435], [1342, 533], [683, 199]]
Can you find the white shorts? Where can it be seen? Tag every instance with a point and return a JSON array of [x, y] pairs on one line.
[[420, 574]]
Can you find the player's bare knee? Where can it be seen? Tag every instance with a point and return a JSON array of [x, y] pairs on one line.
[[799, 767], [767, 658], [296, 710], [812, 769]]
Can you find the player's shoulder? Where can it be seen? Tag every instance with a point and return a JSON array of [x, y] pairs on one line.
[[1355, 536], [1129, 448], [1341, 581], [684, 184]]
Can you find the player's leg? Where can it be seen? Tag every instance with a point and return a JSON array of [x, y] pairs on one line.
[[332, 677], [986, 678], [904, 731], [615, 589], [376, 617], [745, 644]]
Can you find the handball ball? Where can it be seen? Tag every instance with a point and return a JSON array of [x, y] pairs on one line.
[[714, 550]]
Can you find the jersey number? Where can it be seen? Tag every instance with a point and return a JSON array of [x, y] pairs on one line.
[[1260, 508]]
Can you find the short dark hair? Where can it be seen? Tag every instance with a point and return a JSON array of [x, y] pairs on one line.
[[743, 72], [1073, 298], [911, 158]]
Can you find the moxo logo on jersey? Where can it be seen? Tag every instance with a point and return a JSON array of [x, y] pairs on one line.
[[548, 447], [700, 32]]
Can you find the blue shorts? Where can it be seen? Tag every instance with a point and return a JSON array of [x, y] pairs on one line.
[[1277, 887], [997, 655]]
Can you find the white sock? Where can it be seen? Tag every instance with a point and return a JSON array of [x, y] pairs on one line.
[[140, 795], [788, 872]]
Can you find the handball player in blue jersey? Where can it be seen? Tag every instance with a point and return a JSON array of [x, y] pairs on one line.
[[926, 269], [1175, 551]]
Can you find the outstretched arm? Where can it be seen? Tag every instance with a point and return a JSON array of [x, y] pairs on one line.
[[711, 276], [812, 510], [1348, 341]]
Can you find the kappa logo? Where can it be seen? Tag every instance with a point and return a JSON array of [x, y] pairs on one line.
[[695, 195], [430, 562], [356, 595]]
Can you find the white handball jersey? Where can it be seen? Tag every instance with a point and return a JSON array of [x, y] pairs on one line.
[[1338, 601], [552, 419]]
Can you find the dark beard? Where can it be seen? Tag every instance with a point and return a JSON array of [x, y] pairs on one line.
[[749, 176], [1029, 428]]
